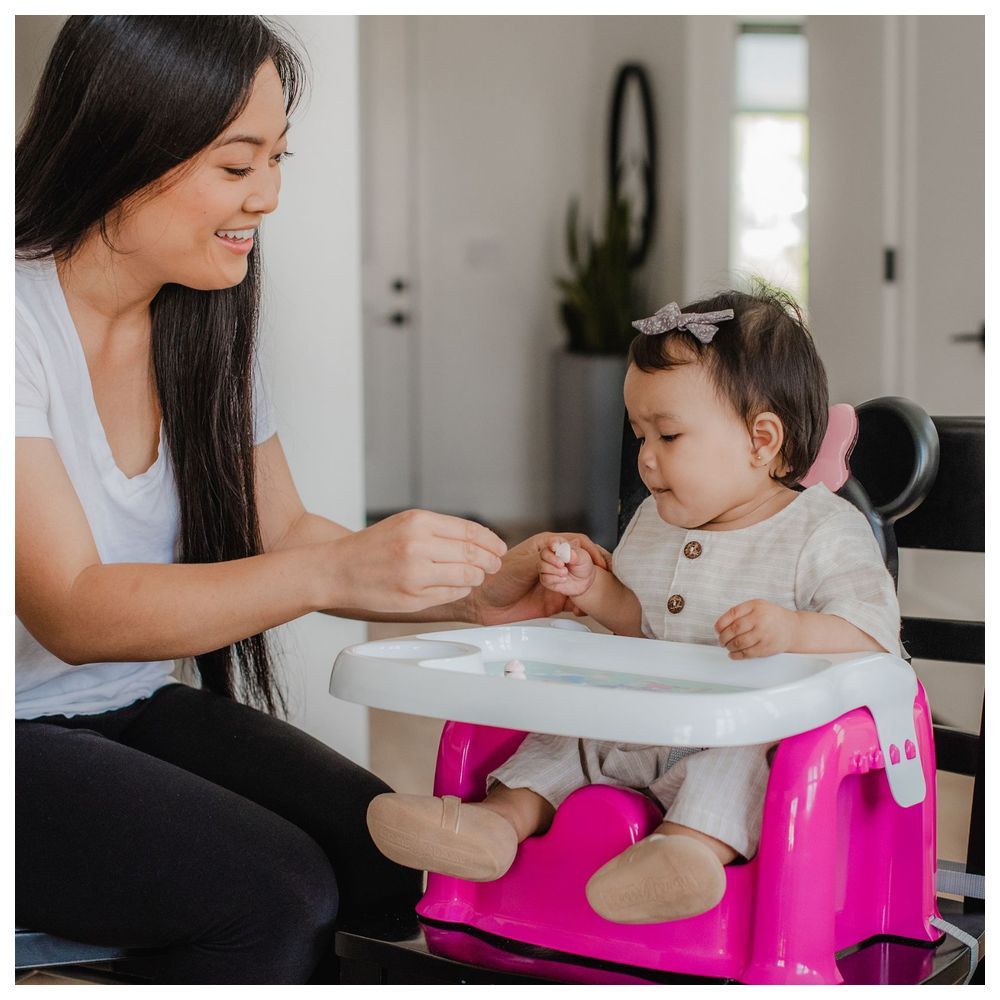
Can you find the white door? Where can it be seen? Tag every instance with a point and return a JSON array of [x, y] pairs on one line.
[[897, 166], [389, 323]]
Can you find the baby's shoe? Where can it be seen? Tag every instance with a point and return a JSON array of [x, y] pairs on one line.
[[443, 835], [664, 877]]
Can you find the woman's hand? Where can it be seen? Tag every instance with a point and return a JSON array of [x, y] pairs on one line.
[[516, 593], [571, 579], [757, 628], [410, 561]]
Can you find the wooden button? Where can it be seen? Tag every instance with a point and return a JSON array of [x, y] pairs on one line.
[[692, 550], [675, 604]]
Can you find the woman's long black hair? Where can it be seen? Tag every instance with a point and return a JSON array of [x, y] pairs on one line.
[[123, 100]]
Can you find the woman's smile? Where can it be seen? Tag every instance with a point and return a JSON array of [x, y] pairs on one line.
[[239, 241]]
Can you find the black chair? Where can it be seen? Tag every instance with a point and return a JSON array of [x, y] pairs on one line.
[[951, 517]]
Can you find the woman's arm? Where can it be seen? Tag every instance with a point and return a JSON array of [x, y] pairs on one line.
[[512, 594], [85, 611]]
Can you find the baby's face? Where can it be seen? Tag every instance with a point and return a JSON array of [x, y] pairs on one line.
[[696, 455]]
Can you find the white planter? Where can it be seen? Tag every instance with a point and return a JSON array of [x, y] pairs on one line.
[[587, 415]]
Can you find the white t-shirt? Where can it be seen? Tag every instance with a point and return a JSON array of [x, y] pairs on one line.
[[816, 554], [132, 520]]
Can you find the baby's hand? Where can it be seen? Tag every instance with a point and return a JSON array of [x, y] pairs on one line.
[[757, 628], [565, 567]]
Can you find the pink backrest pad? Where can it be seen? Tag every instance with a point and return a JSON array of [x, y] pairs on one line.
[[830, 467]]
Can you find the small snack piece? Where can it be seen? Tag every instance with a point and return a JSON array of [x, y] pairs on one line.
[[515, 669], [562, 551]]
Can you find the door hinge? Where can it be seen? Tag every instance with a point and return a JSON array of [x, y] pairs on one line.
[[889, 265]]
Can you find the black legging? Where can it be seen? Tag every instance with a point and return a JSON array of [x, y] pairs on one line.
[[192, 823]]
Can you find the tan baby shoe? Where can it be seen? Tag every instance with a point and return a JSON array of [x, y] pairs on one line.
[[443, 835], [664, 877]]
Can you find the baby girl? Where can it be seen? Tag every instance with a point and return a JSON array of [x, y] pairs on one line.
[[728, 399]]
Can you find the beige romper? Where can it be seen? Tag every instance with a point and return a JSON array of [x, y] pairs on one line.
[[817, 554]]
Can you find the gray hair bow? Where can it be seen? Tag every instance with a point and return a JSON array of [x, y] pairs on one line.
[[670, 317]]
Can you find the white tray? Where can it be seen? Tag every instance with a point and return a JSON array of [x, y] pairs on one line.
[[580, 683]]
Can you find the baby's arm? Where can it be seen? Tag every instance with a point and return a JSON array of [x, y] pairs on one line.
[[760, 628], [595, 591], [845, 598]]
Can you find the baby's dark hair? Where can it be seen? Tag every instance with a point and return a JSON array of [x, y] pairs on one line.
[[762, 359]]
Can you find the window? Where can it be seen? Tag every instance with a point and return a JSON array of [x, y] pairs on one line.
[[769, 222]]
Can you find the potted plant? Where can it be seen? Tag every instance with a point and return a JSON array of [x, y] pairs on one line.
[[599, 300]]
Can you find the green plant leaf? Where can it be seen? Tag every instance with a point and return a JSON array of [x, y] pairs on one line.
[[600, 297]]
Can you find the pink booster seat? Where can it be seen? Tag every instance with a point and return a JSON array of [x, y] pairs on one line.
[[839, 860]]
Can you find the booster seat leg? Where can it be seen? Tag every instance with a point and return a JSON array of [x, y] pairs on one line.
[[793, 932]]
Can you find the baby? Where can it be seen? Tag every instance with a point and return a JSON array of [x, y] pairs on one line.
[[728, 399]]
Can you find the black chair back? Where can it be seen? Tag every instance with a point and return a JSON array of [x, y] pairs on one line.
[[952, 517]]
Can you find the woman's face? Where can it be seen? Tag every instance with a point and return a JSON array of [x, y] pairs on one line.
[[199, 228]]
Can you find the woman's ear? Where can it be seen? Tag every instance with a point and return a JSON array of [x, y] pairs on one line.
[[766, 437]]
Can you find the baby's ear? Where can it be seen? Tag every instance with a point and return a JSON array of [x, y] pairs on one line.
[[766, 437]]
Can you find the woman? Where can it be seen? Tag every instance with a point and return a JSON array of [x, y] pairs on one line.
[[156, 519]]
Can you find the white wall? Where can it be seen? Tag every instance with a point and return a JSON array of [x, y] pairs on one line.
[[33, 38], [948, 169], [846, 195], [502, 119], [708, 98], [512, 119], [312, 340]]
